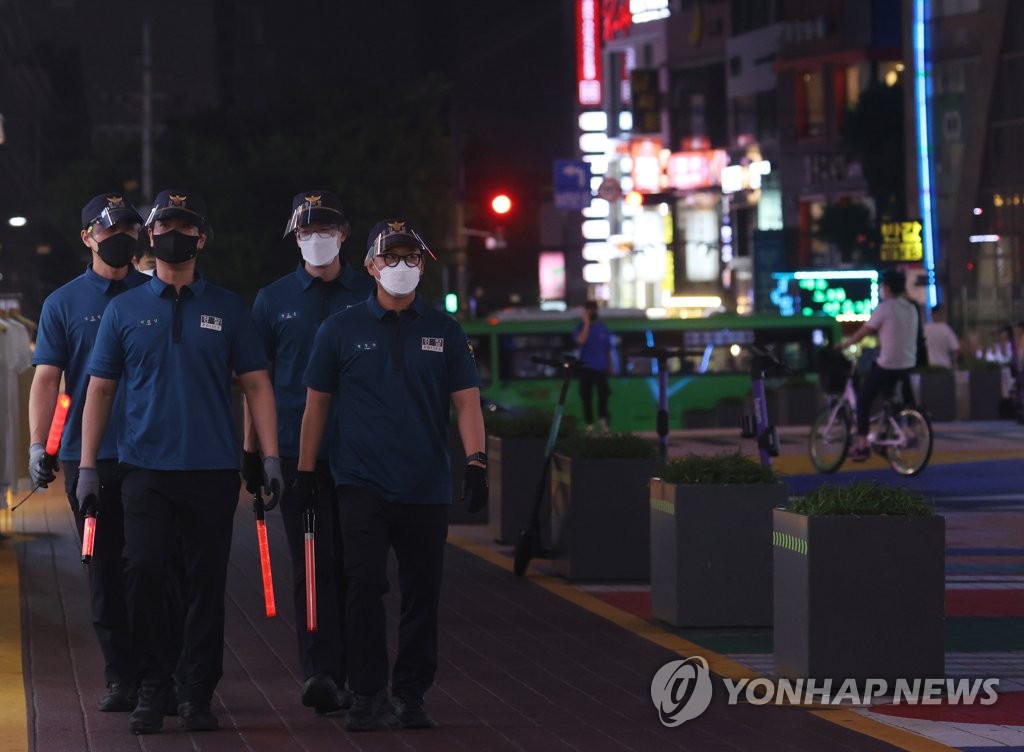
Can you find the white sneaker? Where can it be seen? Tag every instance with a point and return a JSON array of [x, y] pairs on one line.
[[604, 425]]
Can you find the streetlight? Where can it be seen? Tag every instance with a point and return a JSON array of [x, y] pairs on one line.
[[17, 221]]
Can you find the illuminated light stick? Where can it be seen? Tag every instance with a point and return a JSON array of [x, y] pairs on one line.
[[60, 416], [261, 536], [88, 538], [309, 523]]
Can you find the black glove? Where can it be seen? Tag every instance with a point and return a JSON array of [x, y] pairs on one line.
[[87, 491], [306, 489], [474, 488], [252, 471]]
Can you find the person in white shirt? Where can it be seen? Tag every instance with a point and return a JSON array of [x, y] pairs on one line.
[[895, 320], [943, 345]]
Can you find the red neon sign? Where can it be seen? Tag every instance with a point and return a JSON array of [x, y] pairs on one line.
[[588, 53]]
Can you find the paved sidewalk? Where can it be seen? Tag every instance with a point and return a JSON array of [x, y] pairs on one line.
[[522, 668]]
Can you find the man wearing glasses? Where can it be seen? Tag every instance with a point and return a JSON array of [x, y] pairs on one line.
[[287, 313], [394, 366]]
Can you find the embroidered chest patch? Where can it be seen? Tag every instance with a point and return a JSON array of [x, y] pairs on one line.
[[364, 346], [211, 322], [433, 344], [287, 315]]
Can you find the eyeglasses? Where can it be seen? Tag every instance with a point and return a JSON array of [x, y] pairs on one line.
[[305, 234], [392, 259]]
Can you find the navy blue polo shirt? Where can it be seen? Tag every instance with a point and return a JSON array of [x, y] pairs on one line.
[[67, 330], [392, 377], [175, 358], [287, 313]]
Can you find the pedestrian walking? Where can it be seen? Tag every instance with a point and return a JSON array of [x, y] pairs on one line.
[[395, 366], [596, 362], [175, 343], [67, 331], [288, 313]]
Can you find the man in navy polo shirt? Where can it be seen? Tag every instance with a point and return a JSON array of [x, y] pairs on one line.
[[175, 343], [287, 313], [67, 330], [394, 366]]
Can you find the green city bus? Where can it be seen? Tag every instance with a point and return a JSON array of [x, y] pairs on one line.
[[714, 361]]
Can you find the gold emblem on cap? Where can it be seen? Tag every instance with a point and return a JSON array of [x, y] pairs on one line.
[[313, 201], [397, 226], [177, 200], [113, 201]]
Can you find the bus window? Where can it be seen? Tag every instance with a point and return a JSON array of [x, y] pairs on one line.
[[518, 351]]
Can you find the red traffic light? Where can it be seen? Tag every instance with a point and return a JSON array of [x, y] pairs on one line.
[[501, 204]]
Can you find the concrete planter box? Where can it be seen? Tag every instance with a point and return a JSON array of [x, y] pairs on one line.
[[859, 597], [711, 553], [936, 392], [514, 468], [600, 523], [984, 389]]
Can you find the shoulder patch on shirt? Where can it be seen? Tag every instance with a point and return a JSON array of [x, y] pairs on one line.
[[211, 322], [433, 344]]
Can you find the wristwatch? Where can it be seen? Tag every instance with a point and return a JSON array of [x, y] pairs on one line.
[[480, 457]]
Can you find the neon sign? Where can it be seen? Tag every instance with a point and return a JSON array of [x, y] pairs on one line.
[[588, 53]]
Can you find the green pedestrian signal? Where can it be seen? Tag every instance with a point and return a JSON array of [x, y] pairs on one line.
[[451, 302]]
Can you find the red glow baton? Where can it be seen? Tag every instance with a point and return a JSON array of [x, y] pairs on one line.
[[261, 536], [88, 538], [60, 416], [308, 519]]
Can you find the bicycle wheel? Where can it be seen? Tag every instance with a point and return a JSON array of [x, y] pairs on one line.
[[912, 433], [830, 440]]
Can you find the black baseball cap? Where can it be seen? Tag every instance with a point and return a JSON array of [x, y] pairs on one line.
[[107, 209], [315, 207], [183, 205], [394, 233]]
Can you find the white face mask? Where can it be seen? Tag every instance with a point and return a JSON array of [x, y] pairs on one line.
[[318, 251], [399, 280], [147, 272]]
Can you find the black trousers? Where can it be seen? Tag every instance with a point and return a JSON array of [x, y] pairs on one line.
[[417, 532], [591, 378], [322, 651], [880, 381], [167, 515], [106, 569]]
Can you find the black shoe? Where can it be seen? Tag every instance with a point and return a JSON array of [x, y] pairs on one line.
[[120, 698], [196, 716], [321, 693], [370, 713], [169, 701], [148, 717], [410, 714]]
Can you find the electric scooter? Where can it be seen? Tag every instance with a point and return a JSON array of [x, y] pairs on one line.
[[529, 539]]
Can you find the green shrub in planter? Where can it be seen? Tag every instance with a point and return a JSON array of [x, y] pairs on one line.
[[599, 503], [533, 424], [864, 498], [607, 445], [720, 468], [859, 583], [711, 552]]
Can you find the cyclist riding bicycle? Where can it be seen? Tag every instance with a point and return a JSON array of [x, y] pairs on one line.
[[895, 320]]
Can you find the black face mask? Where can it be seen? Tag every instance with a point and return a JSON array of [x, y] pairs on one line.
[[175, 247], [117, 250]]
